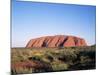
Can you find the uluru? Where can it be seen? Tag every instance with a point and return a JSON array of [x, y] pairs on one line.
[[56, 41]]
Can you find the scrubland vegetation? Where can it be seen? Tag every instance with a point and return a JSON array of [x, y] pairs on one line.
[[37, 60]]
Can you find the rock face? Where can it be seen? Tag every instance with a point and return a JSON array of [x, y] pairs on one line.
[[56, 41]]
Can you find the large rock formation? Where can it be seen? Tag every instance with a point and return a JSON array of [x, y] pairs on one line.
[[56, 41]]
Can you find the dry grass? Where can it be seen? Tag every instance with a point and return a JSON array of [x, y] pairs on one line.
[[33, 60]]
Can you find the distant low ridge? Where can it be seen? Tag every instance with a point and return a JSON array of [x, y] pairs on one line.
[[56, 41]]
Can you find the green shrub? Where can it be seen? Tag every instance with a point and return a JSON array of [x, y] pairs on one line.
[[56, 66]]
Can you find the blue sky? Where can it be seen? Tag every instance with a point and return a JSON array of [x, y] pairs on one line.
[[34, 19]]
